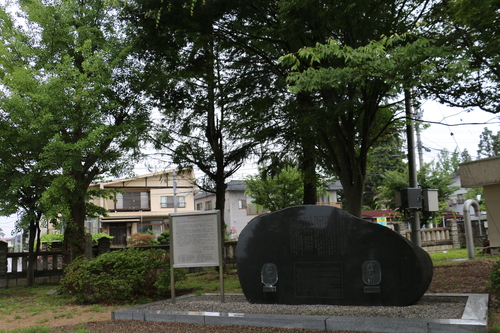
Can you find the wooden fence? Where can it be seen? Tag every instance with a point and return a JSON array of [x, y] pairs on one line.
[[49, 268]]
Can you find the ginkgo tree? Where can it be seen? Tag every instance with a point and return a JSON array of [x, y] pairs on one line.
[[75, 71]]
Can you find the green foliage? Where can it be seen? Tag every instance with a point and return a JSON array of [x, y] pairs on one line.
[[495, 278], [393, 58], [119, 276], [164, 237], [489, 144], [49, 238], [67, 92], [467, 74], [149, 232], [97, 236], [276, 192], [436, 175], [473, 194], [385, 156], [139, 239]]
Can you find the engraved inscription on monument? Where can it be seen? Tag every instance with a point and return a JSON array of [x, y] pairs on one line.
[[318, 279], [269, 276], [371, 273]]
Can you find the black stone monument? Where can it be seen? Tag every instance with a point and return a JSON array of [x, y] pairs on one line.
[[323, 255]]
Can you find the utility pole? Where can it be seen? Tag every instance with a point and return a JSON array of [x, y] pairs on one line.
[[418, 117], [412, 169], [174, 180]]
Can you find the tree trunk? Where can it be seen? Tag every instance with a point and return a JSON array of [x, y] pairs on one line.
[[307, 146], [353, 196], [74, 234], [309, 172], [32, 252]]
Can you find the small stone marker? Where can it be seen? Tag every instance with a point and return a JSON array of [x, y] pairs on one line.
[[323, 255]]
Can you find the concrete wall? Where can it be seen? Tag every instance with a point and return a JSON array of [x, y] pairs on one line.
[[492, 201], [480, 173]]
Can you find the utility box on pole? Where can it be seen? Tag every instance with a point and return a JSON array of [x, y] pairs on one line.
[[431, 202], [411, 198]]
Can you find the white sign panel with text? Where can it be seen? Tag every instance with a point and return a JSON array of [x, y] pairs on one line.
[[195, 239]]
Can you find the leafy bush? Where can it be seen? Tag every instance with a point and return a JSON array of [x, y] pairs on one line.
[[495, 277], [138, 239], [164, 237], [96, 237], [118, 276], [50, 238]]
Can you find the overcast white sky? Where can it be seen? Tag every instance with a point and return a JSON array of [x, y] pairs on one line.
[[450, 128], [456, 128]]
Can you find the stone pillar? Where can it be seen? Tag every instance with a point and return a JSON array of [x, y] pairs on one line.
[[454, 232], [103, 245], [88, 246], [3, 265], [401, 228]]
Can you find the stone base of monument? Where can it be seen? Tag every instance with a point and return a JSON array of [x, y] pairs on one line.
[[473, 317]]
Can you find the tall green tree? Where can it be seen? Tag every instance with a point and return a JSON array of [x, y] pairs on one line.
[[468, 72], [489, 144], [387, 154], [22, 181], [206, 89], [358, 85], [278, 191], [81, 84]]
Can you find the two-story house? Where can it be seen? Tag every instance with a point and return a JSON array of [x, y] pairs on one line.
[[143, 203], [239, 209]]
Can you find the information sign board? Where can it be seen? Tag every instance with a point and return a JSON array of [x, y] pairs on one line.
[[195, 239]]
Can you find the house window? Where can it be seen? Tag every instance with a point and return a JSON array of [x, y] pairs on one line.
[[92, 225], [242, 204], [155, 227], [132, 201], [208, 205], [460, 199], [168, 202], [254, 209], [199, 206]]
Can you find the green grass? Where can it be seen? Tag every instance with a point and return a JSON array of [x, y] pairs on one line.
[[448, 255], [34, 329], [209, 282], [30, 301]]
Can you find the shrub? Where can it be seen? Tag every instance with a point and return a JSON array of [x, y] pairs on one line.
[[51, 238], [495, 277], [164, 237], [138, 239], [96, 237], [119, 276]]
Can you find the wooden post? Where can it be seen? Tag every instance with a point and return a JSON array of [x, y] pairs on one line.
[[3, 265]]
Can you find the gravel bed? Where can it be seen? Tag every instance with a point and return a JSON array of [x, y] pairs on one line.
[[428, 307]]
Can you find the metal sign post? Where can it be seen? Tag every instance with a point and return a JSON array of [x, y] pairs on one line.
[[195, 241]]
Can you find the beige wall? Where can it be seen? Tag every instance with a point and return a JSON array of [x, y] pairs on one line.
[[480, 172], [486, 173], [492, 200], [158, 186]]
